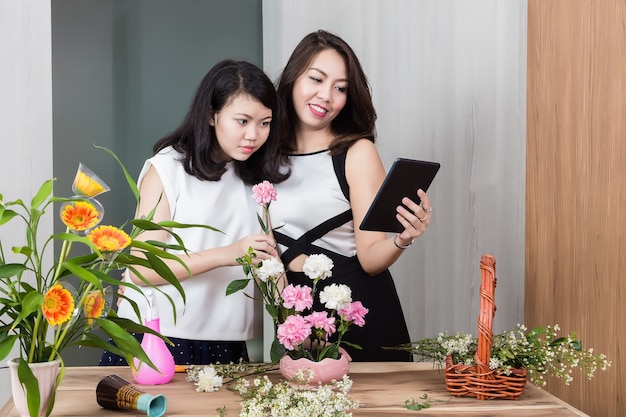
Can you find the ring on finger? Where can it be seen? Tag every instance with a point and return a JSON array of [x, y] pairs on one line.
[[422, 220]]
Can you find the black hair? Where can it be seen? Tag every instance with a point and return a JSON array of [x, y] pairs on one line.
[[195, 137], [358, 117]]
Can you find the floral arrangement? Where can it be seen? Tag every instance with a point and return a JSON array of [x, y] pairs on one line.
[[264, 398], [541, 351], [72, 296], [303, 335], [300, 335]]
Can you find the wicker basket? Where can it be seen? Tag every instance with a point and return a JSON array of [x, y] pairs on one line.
[[478, 380]]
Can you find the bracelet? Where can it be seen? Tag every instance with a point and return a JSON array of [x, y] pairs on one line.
[[399, 246]]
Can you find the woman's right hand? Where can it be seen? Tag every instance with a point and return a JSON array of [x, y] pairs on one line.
[[263, 245]]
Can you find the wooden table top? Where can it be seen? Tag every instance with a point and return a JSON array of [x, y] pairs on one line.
[[381, 388]]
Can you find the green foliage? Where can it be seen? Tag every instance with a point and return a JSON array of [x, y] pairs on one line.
[[541, 351], [23, 285]]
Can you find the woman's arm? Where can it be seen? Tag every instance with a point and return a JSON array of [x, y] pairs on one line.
[[365, 174], [153, 195]]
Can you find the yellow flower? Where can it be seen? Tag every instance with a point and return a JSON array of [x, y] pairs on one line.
[[94, 305], [109, 238], [80, 215], [58, 305], [88, 184]]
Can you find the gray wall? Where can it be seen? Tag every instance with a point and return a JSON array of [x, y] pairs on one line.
[[449, 85], [124, 73]]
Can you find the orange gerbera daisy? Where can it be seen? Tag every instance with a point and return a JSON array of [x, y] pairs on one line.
[[58, 305], [109, 238], [88, 184], [94, 305], [80, 215]]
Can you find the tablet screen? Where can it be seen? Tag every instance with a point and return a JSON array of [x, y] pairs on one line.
[[404, 178]]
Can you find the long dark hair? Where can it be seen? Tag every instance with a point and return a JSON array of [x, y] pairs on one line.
[[356, 120], [196, 140]]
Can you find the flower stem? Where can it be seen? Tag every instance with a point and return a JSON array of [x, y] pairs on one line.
[[65, 250], [58, 339], [31, 352]]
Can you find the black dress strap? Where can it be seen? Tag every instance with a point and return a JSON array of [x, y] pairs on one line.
[[339, 163], [304, 244]]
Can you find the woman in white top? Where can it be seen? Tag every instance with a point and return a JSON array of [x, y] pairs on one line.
[[198, 175]]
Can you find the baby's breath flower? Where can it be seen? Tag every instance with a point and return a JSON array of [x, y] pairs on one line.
[[541, 351]]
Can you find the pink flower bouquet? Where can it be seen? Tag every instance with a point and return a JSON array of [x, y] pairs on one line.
[[300, 332]]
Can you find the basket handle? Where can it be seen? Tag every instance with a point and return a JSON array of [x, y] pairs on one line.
[[487, 312]]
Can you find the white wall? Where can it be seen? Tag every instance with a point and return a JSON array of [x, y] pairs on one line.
[[25, 115], [449, 85]]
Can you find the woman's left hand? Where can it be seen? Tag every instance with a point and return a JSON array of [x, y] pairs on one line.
[[416, 219]]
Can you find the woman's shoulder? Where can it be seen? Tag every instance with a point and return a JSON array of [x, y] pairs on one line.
[[362, 161], [362, 150]]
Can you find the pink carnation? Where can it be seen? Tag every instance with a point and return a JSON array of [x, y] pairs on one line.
[[297, 296], [264, 193], [320, 320], [354, 312], [293, 332]]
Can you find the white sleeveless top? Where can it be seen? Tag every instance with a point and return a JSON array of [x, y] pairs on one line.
[[310, 196], [226, 205]]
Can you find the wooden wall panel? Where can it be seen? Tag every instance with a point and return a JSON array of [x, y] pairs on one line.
[[576, 186]]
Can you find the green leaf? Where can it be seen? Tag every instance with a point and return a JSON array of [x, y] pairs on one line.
[[83, 273], [131, 182], [176, 225], [277, 351], [166, 273], [6, 216], [125, 341], [6, 345], [11, 270], [31, 303], [28, 381], [42, 195], [237, 285]]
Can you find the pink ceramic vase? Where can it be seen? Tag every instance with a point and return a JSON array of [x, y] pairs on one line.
[[160, 356], [324, 371], [156, 350]]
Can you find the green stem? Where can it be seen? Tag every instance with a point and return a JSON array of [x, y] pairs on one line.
[[31, 352], [65, 250]]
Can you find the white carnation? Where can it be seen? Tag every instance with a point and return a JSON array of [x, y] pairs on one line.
[[336, 296], [270, 269], [208, 380], [318, 266]]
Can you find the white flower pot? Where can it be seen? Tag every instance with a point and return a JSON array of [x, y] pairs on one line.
[[46, 374]]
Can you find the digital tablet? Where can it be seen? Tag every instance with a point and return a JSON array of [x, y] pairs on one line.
[[404, 178]]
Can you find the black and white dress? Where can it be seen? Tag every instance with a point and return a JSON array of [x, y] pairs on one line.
[[312, 215]]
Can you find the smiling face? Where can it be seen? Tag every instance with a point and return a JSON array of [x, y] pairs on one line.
[[321, 91], [241, 127]]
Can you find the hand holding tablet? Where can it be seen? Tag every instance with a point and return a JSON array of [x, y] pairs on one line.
[[404, 178]]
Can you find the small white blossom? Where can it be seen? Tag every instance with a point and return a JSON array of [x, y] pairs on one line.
[[318, 267], [541, 351], [270, 269], [336, 296], [208, 380]]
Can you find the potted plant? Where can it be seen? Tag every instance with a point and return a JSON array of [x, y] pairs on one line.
[[46, 307]]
